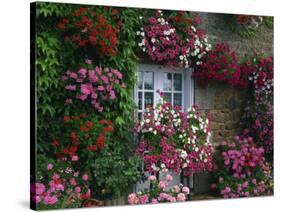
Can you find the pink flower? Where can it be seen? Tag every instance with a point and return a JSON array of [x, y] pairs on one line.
[[78, 189], [37, 199], [85, 177], [154, 201], [50, 166], [133, 199], [88, 61], [181, 197], [185, 190], [169, 177], [74, 158], [151, 178], [73, 75], [85, 89], [100, 88], [162, 185], [143, 199], [50, 200], [39, 188], [83, 72], [176, 189], [70, 87], [73, 182]]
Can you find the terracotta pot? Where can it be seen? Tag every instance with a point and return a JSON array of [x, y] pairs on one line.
[[92, 203]]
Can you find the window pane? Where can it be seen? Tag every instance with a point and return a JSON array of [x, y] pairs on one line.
[[148, 99], [177, 82], [167, 84], [177, 99], [140, 80], [148, 80], [139, 115], [168, 97], [140, 101]]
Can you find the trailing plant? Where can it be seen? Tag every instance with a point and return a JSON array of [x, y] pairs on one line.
[[172, 139], [259, 72], [220, 64], [179, 44], [258, 124]]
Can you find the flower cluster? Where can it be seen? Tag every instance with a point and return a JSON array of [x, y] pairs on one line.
[[88, 27], [62, 186], [220, 64], [98, 86], [159, 192], [172, 139], [84, 138], [259, 71], [172, 45], [259, 125], [243, 171]]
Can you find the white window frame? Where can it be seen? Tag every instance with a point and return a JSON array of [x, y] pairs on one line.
[[187, 84]]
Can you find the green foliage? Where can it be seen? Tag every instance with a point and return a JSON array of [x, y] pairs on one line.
[[269, 21], [48, 9]]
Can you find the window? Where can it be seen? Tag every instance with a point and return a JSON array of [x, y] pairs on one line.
[[175, 83], [177, 86]]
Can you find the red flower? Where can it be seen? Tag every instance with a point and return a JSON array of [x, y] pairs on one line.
[[89, 124], [84, 128], [55, 143], [83, 115], [108, 129], [66, 119], [93, 148]]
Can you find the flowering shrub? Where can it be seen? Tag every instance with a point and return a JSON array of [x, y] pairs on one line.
[[172, 139], [60, 186], [243, 171], [220, 64], [83, 139], [159, 192], [171, 45], [97, 86], [259, 125], [93, 27], [259, 71]]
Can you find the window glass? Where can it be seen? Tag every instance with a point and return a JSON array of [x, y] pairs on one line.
[[148, 99], [148, 80], [167, 84], [177, 82]]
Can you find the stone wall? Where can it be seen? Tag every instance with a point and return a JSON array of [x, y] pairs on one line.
[[225, 103]]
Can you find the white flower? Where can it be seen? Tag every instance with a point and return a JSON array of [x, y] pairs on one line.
[[140, 17], [180, 136], [196, 149], [163, 166], [155, 132], [152, 40], [142, 33], [138, 32], [181, 57], [183, 154], [147, 121], [150, 129], [205, 160]]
